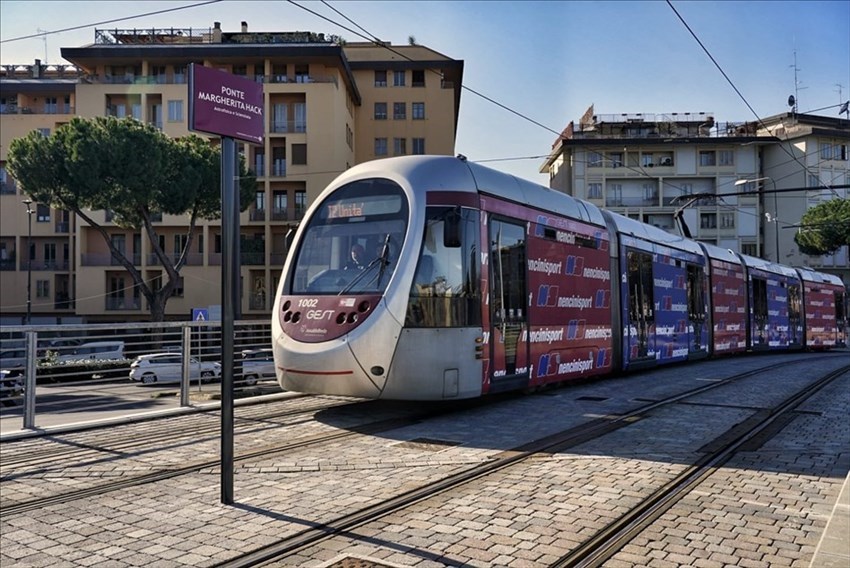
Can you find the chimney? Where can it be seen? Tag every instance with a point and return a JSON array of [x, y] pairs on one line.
[[216, 33], [244, 27], [36, 69]]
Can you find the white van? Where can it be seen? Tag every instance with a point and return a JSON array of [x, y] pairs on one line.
[[95, 351]]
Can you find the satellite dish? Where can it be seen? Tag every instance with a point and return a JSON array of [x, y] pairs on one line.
[[791, 101]]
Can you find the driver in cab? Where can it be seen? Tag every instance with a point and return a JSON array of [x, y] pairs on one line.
[[358, 258]]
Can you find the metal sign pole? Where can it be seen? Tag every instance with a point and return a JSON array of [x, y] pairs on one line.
[[230, 270]]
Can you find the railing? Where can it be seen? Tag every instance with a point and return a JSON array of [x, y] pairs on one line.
[[279, 214], [62, 226], [8, 263], [257, 215], [286, 126], [119, 304], [100, 386], [253, 258], [8, 187], [64, 303]]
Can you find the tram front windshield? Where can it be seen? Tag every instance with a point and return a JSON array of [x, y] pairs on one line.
[[352, 241]]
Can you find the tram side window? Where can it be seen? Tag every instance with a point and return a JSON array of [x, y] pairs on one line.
[[641, 287], [760, 299], [840, 310], [696, 293], [794, 302], [446, 285]]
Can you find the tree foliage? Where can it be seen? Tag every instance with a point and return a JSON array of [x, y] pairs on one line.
[[824, 228], [133, 170]]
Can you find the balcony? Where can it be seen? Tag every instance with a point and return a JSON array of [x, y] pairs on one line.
[[123, 304], [43, 265], [280, 214], [253, 258], [257, 215], [286, 126], [62, 227], [279, 169], [64, 302], [8, 187], [8, 263]]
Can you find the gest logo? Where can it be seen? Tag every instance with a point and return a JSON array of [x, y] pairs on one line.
[[319, 314]]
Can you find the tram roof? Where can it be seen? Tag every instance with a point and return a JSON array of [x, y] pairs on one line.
[[724, 254], [810, 275], [649, 233], [456, 174], [767, 266]]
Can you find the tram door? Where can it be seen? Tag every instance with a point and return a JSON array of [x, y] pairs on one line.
[[509, 367], [795, 315], [641, 306], [697, 308]]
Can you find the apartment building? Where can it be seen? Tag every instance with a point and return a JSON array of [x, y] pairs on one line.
[[328, 105], [652, 167]]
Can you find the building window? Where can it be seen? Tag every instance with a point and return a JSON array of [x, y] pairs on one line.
[[179, 73], [399, 146], [175, 111], [260, 201], [177, 291], [750, 249], [646, 160], [594, 160], [44, 132], [300, 203], [418, 145], [42, 214], [708, 221], [380, 111], [825, 151], [42, 288], [299, 154], [616, 159], [615, 195], [707, 158], [380, 78], [399, 111], [398, 78], [418, 78], [279, 205], [727, 220], [594, 191], [418, 111], [380, 146], [726, 157]]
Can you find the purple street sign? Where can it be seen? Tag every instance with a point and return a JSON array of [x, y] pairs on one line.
[[224, 104]]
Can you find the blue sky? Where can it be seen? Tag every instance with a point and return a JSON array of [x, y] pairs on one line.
[[546, 60]]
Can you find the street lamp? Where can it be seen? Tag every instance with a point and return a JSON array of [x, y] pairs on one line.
[[775, 207], [28, 203]]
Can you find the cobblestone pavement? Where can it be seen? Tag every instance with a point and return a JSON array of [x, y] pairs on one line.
[[768, 506]]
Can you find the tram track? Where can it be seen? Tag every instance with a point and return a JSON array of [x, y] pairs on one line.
[[595, 551], [650, 508], [70, 448]]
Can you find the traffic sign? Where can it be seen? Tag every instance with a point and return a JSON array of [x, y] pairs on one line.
[[200, 314]]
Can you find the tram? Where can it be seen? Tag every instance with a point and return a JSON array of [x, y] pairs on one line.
[[433, 278]]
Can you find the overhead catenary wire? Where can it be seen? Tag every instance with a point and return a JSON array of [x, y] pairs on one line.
[[735, 88]]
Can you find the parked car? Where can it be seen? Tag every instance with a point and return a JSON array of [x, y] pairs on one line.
[[168, 368], [95, 351], [13, 358], [257, 364], [11, 386]]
